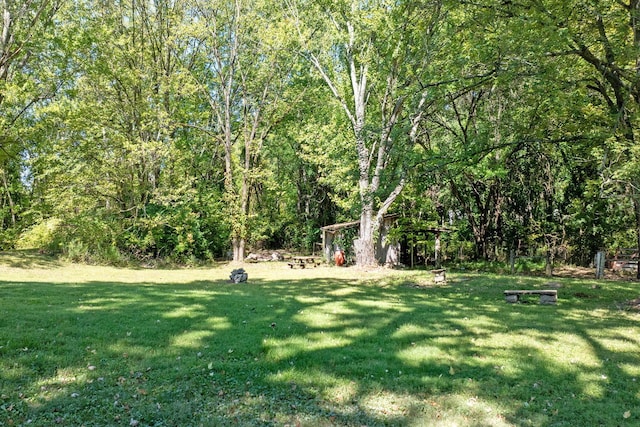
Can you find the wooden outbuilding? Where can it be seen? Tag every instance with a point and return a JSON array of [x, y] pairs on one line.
[[412, 240], [387, 253], [404, 248]]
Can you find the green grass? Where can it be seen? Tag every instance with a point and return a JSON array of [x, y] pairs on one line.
[[99, 346]]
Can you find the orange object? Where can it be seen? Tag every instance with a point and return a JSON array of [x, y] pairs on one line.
[[339, 258]]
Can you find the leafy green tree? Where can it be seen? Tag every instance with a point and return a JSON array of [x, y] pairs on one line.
[[244, 74], [29, 61], [116, 159], [373, 57], [510, 133], [311, 169], [605, 37]]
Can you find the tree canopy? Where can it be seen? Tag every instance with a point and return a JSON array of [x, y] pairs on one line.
[[186, 129]]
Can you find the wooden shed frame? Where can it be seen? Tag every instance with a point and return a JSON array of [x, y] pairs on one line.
[[387, 253], [407, 247]]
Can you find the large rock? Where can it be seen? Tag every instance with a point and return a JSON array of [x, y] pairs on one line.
[[238, 276], [257, 257]]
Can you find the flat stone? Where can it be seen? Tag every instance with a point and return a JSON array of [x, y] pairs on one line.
[[548, 299], [511, 298]]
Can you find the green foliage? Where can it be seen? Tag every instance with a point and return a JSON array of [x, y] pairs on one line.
[[39, 236], [344, 241], [86, 238], [176, 233], [143, 132]]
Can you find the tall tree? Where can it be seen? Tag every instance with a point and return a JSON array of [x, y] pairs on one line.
[[113, 155], [311, 168], [374, 58], [244, 75], [605, 36], [27, 77], [503, 150]]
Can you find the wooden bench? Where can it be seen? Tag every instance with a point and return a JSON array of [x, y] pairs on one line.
[[624, 259], [304, 261], [547, 296], [629, 265]]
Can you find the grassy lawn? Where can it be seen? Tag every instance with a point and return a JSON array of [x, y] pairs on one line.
[[326, 346]]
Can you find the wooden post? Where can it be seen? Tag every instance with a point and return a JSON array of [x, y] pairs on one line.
[[600, 265], [326, 245], [413, 248], [437, 250], [512, 260]]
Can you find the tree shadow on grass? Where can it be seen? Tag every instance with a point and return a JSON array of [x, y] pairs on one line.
[[318, 351], [28, 259]]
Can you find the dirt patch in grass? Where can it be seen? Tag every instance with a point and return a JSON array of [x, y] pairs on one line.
[[590, 273], [584, 295], [634, 304]]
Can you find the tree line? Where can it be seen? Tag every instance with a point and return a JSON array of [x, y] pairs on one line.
[[190, 129]]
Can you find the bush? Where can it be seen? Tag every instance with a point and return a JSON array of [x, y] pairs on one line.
[[180, 234], [40, 236]]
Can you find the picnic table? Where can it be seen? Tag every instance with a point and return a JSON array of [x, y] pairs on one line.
[[304, 261]]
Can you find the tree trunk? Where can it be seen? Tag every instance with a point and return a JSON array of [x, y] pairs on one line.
[[437, 251], [636, 208], [549, 262], [365, 245], [480, 247], [240, 239], [10, 199], [370, 224], [238, 246]]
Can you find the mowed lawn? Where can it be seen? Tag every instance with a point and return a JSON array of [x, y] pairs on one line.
[[326, 346]]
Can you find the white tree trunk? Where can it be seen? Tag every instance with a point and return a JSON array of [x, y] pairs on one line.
[[372, 152]]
